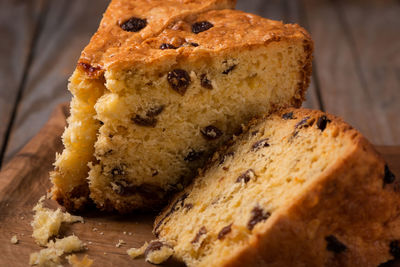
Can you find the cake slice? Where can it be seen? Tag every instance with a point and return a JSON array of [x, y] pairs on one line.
[[298, 188], [171, 98], [125, 24]]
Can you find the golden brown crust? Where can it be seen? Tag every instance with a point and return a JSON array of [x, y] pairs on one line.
[[355, 209], [350, 203], [110, 39], [112, 47]]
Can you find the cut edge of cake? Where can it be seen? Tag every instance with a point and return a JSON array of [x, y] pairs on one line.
[[70, 187], [358, 188], [280, 55]]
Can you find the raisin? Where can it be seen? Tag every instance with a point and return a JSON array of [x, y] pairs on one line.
[[134, 24], [193, 155], [260, 144], [389, 177], [164, 46], [201, 232], [395, 249], [304, 123], [188, 206], [145, 121], [154, 172], [224, 231], [322, 122], [179, 80], [231, 68], [89, 69], [257, 215], [153, 246], [201, 26], [211, 132], [154, 111], [246, 176], [123, 188], [101, 123], [254, 133], [205, 82], [117, 171], [194, 44], [334, 245], [288, 116]]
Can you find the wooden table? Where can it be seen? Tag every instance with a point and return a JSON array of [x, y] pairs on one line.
[[356, 66]]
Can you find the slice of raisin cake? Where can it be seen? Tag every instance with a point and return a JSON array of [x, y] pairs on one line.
[[298, 188], [125, 24], [172, 98]]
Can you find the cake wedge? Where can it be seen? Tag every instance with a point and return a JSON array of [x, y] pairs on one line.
[[298, 188], [171, 98], [125, 24]]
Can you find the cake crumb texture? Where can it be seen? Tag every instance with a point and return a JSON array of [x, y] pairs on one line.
[[51, 256], [75, 262], [14, 240], [46, 222], [137, 252], [158, 252], [298, 188], [162, 85]]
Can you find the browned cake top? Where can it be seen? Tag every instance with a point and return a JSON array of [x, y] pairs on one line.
[[127, 23], [134, 32]]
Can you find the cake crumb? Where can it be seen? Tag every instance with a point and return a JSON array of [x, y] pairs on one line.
[[22, 218], [50, 256], [14, 239], [94, 229], [158, 252], [101, 233], [124, 233], [136, 252], [120, 243], [130, 233], [75, 262], [46, 222]]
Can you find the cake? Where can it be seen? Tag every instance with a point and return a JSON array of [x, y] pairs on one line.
[[297, 188], [87, 83], [153, 100]]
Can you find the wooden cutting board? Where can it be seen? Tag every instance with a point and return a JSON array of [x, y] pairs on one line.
[[25, 179]]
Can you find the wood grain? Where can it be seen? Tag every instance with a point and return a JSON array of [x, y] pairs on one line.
[[344, 89], [18, 25], [25, 179], [67, 29], [373, 29]]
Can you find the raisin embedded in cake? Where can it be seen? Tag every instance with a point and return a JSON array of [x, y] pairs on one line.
[[130, 22], [211, 69], [315, 199]]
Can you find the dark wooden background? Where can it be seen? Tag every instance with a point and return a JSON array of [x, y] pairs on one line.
[[356, 66]]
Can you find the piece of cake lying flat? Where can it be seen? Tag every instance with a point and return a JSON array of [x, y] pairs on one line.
[[171, 100], [125, 24], [299, 188]]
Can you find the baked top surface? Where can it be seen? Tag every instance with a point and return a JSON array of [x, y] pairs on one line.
[[110, 39], [174, 23]]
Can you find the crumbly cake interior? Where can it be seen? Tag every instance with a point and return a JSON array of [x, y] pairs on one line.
[[150, 107], [268, 168], [164, 154], [71, 167], [69, 178]]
